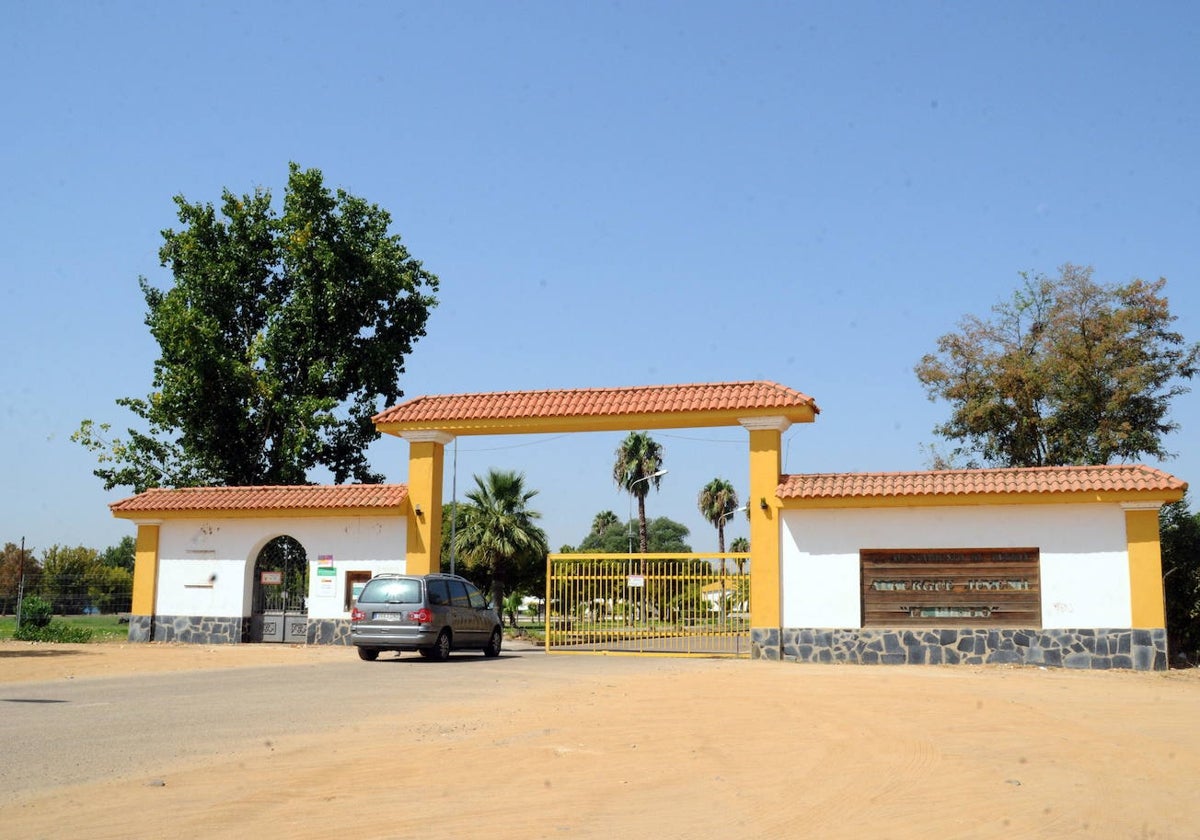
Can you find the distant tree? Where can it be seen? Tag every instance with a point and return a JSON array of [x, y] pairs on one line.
[[1068, 371], [740, 545], [663, 535], [639, 457], [280, 337], [11, 564], [498, 536], [1180, 534], [122, 555], [603, 520], [717, 500], [110, 588], [452, 517], [66, 575]]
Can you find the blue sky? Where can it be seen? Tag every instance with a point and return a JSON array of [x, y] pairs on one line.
[[611, 193]]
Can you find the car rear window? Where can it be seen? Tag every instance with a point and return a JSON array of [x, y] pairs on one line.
[[391, 591]]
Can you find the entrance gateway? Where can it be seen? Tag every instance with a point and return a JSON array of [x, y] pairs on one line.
[[1049, 566]]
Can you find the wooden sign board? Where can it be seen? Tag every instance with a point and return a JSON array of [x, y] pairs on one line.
[[951, 587]]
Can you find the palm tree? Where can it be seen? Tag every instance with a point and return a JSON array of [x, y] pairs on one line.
[[638, 466], [740, 545], [498, 530], [717, 501], [603, 520]]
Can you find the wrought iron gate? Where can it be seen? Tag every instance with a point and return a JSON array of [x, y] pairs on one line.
[[695, 604]]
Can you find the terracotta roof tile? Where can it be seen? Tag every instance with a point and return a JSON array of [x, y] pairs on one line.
[[597, 402], [1112, 478], [296, 497]]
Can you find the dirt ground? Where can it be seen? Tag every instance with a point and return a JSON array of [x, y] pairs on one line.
[[618, 747]]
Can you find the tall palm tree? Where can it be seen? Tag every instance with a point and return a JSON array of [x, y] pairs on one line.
[[498, 529], [716, 501], [638, 466], [602, 521]]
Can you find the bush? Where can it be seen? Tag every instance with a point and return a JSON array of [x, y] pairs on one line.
[[35, 613], [55, 631]]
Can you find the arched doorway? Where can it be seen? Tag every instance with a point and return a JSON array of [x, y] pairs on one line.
[[279, 611]]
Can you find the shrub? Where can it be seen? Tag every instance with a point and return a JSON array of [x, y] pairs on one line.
[[35, 612], [55, 631]]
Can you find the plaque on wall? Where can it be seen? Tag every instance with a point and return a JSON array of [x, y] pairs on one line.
[[951, 587]]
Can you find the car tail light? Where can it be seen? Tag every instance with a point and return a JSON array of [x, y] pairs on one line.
[[357, 615], [421, 616]]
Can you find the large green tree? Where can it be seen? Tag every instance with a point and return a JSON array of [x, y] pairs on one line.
[[280, 335], [1068, 371], [638, 466], [717, 501], [498, 539], [1180, 530]]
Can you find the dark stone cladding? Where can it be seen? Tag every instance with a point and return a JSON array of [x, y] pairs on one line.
[[191, 629], [1091, 649], [329, 631]]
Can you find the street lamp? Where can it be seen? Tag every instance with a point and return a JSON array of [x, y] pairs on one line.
[[657, 474]]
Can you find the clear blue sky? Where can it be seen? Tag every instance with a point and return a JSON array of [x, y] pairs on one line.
[[611, 193]]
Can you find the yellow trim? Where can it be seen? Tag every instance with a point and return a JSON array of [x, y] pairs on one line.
[[145, 570], [263, 513], [424, 543], [968, 499], [1145, 568], [765, 560], [591, 423]]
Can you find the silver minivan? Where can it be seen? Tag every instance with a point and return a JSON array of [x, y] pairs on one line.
[[431, 614]]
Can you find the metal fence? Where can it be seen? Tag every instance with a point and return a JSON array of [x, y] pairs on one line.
[[83, 594], [648, 603]]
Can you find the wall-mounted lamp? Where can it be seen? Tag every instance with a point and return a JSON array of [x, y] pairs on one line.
[[762, 502], [417, 510]]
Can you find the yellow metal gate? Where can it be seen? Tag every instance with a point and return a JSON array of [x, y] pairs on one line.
[[695, 604]]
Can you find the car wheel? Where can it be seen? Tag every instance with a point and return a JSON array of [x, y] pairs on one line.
[[441, 648], [493, 645], [368, 654]]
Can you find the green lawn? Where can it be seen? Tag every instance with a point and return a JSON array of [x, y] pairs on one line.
[[105, 628]]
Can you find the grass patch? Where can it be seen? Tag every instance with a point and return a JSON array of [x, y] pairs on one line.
[[105, 628]]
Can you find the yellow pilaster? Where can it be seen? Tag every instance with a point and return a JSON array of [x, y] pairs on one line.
[[1145, 565], [426, 451], [765, 562], [145, 569]]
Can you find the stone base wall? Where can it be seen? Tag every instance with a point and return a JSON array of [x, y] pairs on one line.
[[192, 629], [329, 631], [1096, 649], [189, 629]]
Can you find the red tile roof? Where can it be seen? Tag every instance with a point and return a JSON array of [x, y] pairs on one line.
[[295, 497], [1047, 480], [598, 402]]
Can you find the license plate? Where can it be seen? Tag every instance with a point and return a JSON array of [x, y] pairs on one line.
[[389, 616]]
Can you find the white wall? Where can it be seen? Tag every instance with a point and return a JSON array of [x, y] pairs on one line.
[[1084, 560], [206, 566]]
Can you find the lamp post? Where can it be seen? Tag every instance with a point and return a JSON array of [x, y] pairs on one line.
[[657, 474]]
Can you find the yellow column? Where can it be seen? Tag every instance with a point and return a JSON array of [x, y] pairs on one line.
[[426, 452], [765, 561], [1145, 565], [145, 569]]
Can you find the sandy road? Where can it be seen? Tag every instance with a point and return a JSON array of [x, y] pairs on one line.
[[150, 741]]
